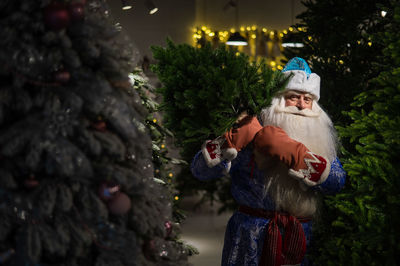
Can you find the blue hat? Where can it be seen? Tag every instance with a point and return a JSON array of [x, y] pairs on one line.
[[302, 79]]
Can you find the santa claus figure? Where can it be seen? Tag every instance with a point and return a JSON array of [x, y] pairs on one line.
[[280, 164]]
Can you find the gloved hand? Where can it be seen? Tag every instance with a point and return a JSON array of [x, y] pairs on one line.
[[226, 147], [303, 164]]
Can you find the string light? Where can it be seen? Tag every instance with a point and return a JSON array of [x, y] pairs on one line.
[[162, 146], [254, 32], [176, 198], [154, 120], [369, 43], [170, 174]]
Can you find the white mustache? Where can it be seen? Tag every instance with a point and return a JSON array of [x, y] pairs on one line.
[[296, 111]]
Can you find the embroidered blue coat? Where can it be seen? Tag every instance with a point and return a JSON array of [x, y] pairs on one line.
[[245, 234]]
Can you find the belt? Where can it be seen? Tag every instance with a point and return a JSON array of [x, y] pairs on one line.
[[276, 250]]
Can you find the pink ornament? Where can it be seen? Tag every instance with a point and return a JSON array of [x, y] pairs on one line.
[[62, 76], [120, 205], [168, 228], [56, 16], [76, 11]]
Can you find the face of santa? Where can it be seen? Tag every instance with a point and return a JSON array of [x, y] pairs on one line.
[[299, 99]]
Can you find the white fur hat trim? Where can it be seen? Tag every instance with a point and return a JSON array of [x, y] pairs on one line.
[[300, 82]]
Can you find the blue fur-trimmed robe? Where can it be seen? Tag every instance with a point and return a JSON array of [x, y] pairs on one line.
[[245, 234]]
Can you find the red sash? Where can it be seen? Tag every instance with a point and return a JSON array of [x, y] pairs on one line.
[[277, 251]]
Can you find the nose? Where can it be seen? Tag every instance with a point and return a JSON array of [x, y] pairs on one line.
[[301, 104]]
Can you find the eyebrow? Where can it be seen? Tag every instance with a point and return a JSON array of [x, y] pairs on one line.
[[293, 93]]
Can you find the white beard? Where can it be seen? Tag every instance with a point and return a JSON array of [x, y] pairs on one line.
[[315, 130]]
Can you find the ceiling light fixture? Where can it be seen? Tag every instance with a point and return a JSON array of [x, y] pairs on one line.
[[289, 38], [151, 7], [126, 5], [236, 39]]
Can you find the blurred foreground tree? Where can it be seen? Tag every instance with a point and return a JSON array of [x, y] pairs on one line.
[[77, 184]]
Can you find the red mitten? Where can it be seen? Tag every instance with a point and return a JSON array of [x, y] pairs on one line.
[[303, 164], [226, 147]]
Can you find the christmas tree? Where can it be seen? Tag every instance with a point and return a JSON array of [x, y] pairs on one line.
[[165, 165], [338, 46], [204, 92], [77, 181], [360, 225]]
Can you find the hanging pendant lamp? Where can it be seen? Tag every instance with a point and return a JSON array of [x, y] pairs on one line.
[[236, 39]]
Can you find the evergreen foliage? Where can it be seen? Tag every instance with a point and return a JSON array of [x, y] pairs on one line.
[[361, 223], [164, 165], [76, 173], [204, 91], [338, 47]]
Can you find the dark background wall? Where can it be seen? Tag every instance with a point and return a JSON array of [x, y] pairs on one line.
[[177, 18]]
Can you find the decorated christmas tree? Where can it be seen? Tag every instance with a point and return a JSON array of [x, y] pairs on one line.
[[360, 225], [204, 92], [76, 170], [166, 166]]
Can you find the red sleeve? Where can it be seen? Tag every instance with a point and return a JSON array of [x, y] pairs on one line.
[[238, 137]]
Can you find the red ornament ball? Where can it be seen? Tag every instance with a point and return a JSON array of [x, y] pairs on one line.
[[76, 11], [62, 76], [100, 126], [120, 205], [56, 16]]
